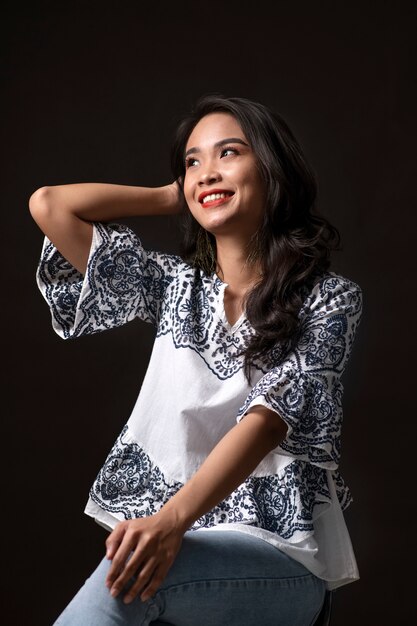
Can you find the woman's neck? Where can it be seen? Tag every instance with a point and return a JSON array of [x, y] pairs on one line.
[[233, 266]]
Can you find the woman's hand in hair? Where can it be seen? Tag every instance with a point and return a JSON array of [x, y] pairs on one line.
[[143, 549], [174, 190]]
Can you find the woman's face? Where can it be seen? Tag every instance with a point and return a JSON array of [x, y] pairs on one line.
[[222, 185]]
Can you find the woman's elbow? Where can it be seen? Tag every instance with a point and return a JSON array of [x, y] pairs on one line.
[[40, 202]]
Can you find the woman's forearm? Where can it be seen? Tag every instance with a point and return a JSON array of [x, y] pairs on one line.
[[228, 465], [105, 201], [65, 212]]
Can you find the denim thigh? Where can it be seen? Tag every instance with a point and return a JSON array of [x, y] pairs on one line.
[[219, 578]]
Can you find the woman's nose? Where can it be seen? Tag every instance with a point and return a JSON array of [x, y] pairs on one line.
[[209, 176]]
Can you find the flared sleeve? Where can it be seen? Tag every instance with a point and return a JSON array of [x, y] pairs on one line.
[[122, 281], [305, 388]]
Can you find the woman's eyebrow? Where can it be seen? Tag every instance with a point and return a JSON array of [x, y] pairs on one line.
[[219, 144]]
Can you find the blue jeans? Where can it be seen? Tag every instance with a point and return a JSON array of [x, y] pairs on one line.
[[219, 578]]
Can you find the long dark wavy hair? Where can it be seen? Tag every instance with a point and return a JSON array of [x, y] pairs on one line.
[[293, 245]]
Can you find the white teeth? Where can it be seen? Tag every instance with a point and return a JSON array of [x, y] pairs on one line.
[[214, 196]]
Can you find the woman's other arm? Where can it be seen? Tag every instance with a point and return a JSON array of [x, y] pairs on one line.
[[232, 460], [154, 541], [65, 212]]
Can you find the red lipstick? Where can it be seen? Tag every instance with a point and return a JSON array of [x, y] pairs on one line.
[[209, 192]]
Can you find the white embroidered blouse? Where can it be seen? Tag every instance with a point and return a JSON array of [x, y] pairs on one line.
[[195, 390]]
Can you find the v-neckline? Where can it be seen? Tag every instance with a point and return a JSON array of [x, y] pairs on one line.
[[232, 328]]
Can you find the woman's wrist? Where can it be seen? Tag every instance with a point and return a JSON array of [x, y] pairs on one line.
[[178, 514], [172, 198]]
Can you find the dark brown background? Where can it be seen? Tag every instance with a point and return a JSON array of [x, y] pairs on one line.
[[93, 93]]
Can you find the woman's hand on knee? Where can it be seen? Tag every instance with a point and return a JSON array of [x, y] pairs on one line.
[[145, 549]]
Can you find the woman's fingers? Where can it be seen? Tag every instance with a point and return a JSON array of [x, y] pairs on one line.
[[155, 581], [114, 540], [144, 577], [127, 570], [120, 570], [150, 578]]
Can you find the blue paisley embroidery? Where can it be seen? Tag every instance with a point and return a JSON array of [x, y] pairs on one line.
[[130, 484], [305, 404], [189, 315], [122, 282], [123, 273], [62, 287]]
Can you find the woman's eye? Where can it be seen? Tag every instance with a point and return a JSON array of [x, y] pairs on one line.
[[190, 162], [227, 151]]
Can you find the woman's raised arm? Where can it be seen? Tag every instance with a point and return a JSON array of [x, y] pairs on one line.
[[65, 212]]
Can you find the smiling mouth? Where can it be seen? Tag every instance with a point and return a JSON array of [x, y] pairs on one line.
[[215, 199]]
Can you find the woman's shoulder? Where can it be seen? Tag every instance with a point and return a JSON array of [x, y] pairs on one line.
[[334, 283], [332, 290]]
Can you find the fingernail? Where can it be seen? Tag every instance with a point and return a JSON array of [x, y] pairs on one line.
[[127, 599], [113, 592]]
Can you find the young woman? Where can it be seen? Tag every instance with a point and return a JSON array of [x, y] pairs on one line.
[[221, 495]]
